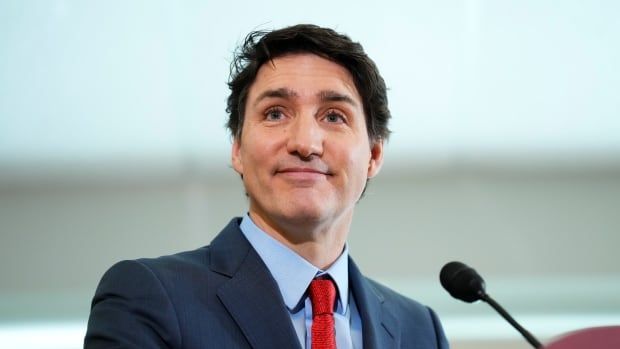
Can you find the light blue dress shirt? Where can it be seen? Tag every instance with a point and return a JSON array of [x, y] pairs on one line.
[[293, 275]]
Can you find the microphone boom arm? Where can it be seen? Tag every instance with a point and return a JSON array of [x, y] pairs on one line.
[[528, 336]]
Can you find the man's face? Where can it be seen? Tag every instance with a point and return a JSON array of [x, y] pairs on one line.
[[304, 152]]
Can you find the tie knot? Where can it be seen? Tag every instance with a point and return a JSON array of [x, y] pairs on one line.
[[322, 296]]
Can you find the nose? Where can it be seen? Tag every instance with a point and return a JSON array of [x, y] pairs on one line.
[[305, 138]]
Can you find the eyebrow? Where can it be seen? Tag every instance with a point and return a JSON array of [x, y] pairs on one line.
[[324, 96], [333, 96], [283, 92]]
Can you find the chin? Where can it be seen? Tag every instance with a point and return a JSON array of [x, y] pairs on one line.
[[306, 215]]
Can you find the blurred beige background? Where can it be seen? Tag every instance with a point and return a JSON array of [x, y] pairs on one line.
[[505, 153]]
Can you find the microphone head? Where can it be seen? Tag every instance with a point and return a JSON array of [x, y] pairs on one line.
[[462, 282]]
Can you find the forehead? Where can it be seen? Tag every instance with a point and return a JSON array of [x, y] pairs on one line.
[[304, 73]]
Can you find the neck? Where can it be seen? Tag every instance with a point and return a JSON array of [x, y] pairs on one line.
[[319, 244]]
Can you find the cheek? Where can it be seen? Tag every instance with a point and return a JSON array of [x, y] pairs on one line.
[[361, 156], [258, 161], [357, 162]]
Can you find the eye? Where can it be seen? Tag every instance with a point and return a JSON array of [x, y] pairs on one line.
[[274, 114], [333, 116]]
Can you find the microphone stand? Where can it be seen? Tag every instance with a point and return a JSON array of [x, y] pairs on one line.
[[528, 336]]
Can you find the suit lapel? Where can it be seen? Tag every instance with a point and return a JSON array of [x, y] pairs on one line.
[[253, 299], [251, 296], [380, 328]]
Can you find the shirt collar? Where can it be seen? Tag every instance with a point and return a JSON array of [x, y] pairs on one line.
[[293, 273]]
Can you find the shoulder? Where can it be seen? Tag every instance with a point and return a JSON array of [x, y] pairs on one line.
[[135, 293], [149, 302], [151, 281], [417, 322], [156, 268]]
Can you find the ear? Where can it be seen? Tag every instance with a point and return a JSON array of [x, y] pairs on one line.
[[237, 164], [376, 158]]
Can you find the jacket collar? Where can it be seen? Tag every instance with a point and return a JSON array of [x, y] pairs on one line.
[[380, 328], [251, 295], [266, 322]]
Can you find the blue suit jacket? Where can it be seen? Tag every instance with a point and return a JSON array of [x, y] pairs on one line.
[[223, 296]]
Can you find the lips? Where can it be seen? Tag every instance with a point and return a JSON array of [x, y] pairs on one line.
[[302, 170], [303, 173]]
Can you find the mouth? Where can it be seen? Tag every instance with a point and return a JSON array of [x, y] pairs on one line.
[[302, 170], [303, 173]]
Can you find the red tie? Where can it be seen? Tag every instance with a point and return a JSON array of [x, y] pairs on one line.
[[323, 295]]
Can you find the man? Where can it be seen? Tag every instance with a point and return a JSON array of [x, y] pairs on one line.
[[308, 114]]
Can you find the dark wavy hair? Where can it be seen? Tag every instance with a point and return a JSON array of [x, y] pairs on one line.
[[263, 46]]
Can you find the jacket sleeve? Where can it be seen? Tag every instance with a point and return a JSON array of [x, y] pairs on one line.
[[442, 342], [131, 309]]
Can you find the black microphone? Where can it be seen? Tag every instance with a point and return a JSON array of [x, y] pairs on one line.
[[464, 283]]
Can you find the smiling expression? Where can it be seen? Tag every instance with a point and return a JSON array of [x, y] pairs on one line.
[[304, 151]]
